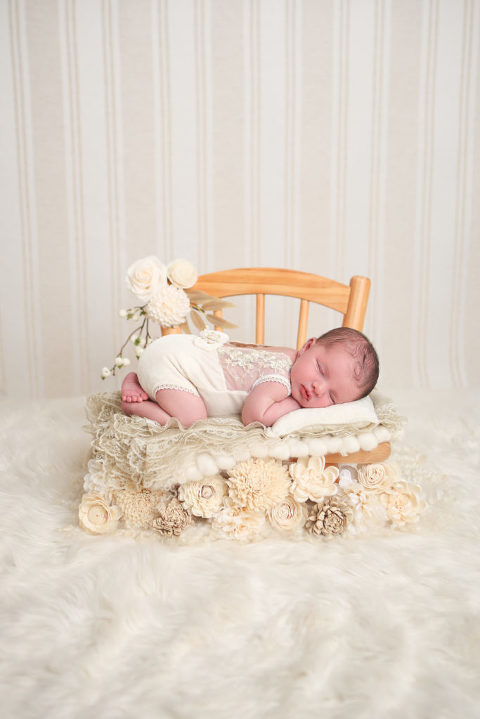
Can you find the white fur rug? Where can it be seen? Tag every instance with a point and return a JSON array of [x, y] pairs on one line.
[[383, 627]]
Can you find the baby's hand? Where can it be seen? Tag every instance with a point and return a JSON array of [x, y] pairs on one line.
[[266, 403]]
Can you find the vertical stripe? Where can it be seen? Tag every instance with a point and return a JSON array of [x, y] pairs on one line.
[[27, 199], [48, 135], [457, 310], [75, 194], [229, 148], [426, 169], [396, 286], [470, 320], [253, 124], [200, 80], [111, 69], [376, 190], [136, 106], [339, 135], [162, 115]]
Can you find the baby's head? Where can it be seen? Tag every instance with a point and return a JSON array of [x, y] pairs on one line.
[[340, 366]]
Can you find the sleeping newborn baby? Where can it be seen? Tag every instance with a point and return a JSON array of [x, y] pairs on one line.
[[192, 377]]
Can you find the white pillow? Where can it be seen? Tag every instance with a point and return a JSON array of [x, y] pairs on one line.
[[361, 411]]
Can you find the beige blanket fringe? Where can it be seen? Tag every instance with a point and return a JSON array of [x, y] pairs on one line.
[[131, 452]]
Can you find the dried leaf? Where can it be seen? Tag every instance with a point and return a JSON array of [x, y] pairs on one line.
[[216, 304], [198, 295], [197, 320], [220, 322]]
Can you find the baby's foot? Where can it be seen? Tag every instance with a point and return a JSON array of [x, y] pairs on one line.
[[131, 390]]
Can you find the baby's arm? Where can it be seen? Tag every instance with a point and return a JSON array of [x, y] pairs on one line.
[[266, 403]]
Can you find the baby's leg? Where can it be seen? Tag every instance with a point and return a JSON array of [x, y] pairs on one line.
[[131, 389], [186, 407]]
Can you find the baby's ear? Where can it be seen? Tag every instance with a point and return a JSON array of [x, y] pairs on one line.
[[309, 343]]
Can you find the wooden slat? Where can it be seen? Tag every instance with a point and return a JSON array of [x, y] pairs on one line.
[[379, 454], [260, 321], [218, 313], [302, 323], [272, 281], [357, 305]]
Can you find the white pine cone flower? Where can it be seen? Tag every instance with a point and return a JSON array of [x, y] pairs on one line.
[[258, 484], [330, 517], [311, 480], [203, 498], [288, 514], [169, 306], [172, 518], [96, 515], [145, 277], [182, 273], [105, 372]]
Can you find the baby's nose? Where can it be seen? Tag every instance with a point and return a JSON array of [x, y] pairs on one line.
[[318, 387]]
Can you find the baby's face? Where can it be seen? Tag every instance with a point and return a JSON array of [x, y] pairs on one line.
[[322, 375]]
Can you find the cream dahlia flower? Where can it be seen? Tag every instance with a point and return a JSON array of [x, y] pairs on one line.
[[96, 515], [172, 518], [145, 277], [234, 522], [377, 477], [169, 306], [258, 484], [203, 498], [288, 514], [311, 480], [403, 503], [182, 273]]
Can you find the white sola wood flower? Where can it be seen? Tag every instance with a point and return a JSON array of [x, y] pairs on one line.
[[96, 515], [312, 480], [287, 514], [169, 306], [258, 484], [146, 276], [182, 273], [403, 503], [203, 498], [234, 522]]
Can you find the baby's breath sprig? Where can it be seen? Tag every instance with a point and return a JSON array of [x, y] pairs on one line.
[[140, 338]]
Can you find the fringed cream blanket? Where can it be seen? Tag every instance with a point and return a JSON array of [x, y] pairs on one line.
[[132, 449]]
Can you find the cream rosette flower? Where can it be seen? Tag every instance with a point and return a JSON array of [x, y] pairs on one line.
[[375, 477], [368, 510], [169, 306], [182, 273], [96, 515], [312, 480], [234, 522], [403, 503], [288, 514], [145, 277], [258, 484], [203, 498]]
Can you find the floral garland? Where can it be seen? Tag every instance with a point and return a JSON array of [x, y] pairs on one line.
[[260, 493], [168, 299]]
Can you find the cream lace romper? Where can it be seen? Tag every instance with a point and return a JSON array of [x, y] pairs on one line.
[[210, 367]]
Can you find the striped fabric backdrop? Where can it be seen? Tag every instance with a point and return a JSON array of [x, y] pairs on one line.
[[334, 136]]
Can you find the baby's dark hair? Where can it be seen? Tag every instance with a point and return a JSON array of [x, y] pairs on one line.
[[368, 366]]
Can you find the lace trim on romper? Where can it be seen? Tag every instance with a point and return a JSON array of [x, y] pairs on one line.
[[177, 387]]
